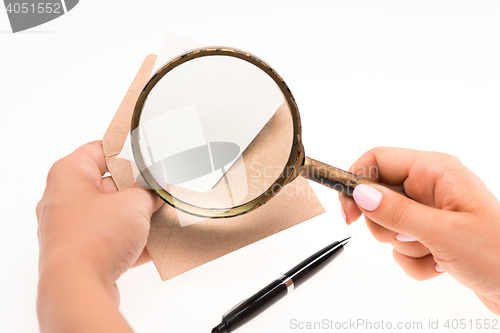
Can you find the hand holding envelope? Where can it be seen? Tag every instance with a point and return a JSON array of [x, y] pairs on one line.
[[175, 249]]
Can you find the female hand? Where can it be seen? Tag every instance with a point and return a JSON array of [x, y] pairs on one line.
[[452, 212], [89, 234]]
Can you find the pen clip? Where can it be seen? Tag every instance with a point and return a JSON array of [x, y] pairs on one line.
[[234, 307]]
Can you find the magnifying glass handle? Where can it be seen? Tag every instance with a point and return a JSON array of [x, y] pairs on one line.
[[338, 179]]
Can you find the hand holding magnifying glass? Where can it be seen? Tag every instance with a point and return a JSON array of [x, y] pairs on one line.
[[216, 133]]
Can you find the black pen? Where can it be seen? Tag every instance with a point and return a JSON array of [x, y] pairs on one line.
[[276, 290]]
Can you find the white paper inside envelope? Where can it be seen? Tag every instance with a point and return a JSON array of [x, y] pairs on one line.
[[188, 162]]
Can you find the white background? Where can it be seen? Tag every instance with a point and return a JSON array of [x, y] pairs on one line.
[[421, 75]]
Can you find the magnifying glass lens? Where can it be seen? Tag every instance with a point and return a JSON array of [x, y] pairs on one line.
[[215, 132]]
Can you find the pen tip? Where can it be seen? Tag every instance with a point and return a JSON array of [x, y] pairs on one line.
[[345, 241]]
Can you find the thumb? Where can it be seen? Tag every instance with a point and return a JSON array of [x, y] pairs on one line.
[[143, 197], [398, 213]]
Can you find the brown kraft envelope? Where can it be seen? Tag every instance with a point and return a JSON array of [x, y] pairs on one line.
[[175, 249]]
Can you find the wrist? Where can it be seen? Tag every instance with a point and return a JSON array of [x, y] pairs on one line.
[[74, 297], [69, 265]]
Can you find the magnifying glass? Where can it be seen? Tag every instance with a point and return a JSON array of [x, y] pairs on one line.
[[216, 133]]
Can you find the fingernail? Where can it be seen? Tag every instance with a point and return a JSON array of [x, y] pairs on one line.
[[343, 213], [404, 238], [367, 197], [438, 268]]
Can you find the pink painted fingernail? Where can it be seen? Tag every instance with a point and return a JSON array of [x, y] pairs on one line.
[[404, 238], [438, 268], [367, 197], [343, 213]]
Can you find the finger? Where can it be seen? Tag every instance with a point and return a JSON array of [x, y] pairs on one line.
[[418, 171], [84, 169], [143, 258], [367, 166], [351, 211], [401, 214], [159, 203], [95, 151], [379, 232], [418, 268], [143, 198], [378, 164], [411, 249], [108, 185]]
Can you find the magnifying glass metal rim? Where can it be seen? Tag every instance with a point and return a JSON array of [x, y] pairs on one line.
[[290, 171]]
